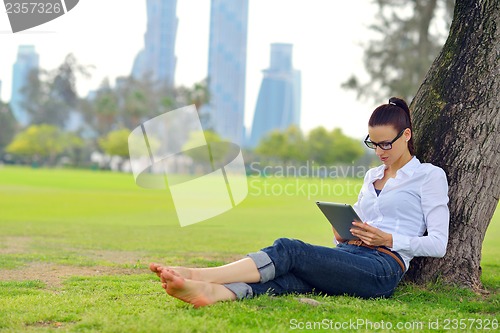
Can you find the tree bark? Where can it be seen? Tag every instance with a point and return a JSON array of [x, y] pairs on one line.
[[456, 126]]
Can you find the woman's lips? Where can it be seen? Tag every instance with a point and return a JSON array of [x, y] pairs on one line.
[[383, 159]]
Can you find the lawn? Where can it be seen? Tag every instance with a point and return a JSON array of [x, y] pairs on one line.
[[75, 245]]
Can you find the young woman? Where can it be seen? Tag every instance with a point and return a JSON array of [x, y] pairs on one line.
[[399, 201]]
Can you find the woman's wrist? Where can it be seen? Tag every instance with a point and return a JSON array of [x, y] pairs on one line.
[[388, 242]]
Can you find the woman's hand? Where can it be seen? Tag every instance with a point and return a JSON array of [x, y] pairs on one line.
[[371, 235]]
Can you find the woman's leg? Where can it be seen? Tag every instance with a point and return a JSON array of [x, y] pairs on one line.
[[294, 266], [244, 270], [347, 269], [284, 284], [198, 293]]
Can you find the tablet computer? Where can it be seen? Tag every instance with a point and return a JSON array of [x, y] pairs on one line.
[[340, 217]]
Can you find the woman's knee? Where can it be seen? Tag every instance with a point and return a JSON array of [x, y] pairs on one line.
[[288, 243]]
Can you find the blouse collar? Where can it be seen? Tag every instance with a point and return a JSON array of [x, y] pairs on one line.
[[407, 169]]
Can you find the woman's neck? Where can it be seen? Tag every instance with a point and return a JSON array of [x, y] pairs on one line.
[[401, 162]]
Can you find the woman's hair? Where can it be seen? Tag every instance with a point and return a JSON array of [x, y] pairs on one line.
[[395, 113]]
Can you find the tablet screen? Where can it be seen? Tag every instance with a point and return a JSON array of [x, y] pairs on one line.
[[340, 217]]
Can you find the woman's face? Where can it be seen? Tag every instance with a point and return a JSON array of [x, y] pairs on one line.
[[386, 134]]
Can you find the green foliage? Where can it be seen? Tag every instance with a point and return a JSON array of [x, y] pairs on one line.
[[101, 112], [43, 142], [207, 157], [405, 47], [50, 96], [7, 125], [198, 94], [139, 100], [320, 146], [116, 143], [285, 146], [345, 149], [272, 145], [129, 103]]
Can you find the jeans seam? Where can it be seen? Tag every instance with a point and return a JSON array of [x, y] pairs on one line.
[[388, 262]]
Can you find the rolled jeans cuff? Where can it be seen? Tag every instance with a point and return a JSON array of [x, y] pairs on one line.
[[240, 289], [264, 264]]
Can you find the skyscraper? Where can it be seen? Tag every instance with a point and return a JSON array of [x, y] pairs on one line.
[[227, 68], [27, 60], [157, 59], [278, 104]]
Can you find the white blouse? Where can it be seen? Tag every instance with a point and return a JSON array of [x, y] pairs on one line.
[[408, 205]]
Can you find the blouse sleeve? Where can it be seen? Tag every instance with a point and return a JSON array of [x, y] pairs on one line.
[[356, 205], [434, 200]]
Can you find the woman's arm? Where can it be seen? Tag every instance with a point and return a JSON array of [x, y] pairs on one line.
[[434, 201]]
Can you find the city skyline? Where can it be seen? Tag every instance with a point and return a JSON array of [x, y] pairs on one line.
[[157, 59], [325, 60], [227, 69], [278, 105], [27, 60]]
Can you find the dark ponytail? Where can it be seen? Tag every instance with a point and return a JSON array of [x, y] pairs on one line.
[[395, 113]]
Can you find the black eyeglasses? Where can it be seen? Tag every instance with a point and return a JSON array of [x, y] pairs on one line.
[[382, 145]]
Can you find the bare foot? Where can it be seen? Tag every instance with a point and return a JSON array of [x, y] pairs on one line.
[[198, 293], [185, 272], [155, 268]]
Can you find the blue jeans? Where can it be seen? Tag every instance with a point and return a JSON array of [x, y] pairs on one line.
[[292, 266]]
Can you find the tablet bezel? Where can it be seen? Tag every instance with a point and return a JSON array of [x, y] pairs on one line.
[[340, 216]]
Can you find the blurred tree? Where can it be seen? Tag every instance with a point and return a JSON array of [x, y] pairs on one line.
[[139, 101], [7, 125], [101, 112], [207, 158], [116, 143], [50, 96], [218, 147], [295, 145], [272, 145], [38, 102], [64, 80], [410, 35], [320, 146], [288, 146], [42, 143], [199, 94], [132, 101], [345, 149], [332, 147]]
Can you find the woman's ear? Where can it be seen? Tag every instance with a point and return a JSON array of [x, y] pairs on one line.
[[407, 134]]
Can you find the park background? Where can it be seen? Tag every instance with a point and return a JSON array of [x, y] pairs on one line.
[[76, 237]]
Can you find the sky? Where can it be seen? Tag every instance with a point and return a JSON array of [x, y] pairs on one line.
[[326, 36]]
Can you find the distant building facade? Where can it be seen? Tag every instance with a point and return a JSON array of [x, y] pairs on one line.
[[157, 60], [279, 101], [227, 69], [27, 60]]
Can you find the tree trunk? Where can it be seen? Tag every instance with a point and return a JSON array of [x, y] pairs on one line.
[[456, 127]]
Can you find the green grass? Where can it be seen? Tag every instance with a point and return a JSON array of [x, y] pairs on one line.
[[74, 249]]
